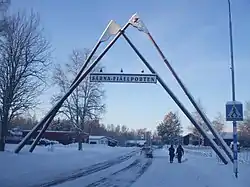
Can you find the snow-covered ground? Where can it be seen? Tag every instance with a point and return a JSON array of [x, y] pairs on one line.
[[34, 169], [27, 169]]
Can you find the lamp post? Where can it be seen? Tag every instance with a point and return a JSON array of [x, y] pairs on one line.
[[235, 149]]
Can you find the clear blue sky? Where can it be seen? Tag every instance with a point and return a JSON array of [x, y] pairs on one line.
[[192, 33]]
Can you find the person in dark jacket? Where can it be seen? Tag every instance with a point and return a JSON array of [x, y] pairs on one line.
[[179, 153], [171, 153]]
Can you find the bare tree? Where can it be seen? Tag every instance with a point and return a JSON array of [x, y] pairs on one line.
[[199, 120], [4, 6], [25, 122], [244, 127], [86, 102], [219, 123], [24, 56]]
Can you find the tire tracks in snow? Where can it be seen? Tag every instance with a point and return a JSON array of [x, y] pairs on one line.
[[87, 171], [126, 176]]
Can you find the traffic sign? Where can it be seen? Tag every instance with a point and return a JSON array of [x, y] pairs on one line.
[[234, 111]]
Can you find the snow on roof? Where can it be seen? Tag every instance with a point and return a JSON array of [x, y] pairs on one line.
[[188, 134], [97, 137], [15, 133], [101, 137], [131, 141], [51, 131], [141, 142]]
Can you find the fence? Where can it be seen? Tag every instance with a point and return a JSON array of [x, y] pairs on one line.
[[243, 155], [199, 150]]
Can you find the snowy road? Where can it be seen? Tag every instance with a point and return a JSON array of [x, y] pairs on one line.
[[83, 172], [98, 166], [196, 171], [138, 171], [123, 174]]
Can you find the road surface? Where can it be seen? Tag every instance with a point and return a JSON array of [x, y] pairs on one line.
[[195, 171]]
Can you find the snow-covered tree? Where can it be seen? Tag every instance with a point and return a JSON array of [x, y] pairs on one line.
[[170, 128]]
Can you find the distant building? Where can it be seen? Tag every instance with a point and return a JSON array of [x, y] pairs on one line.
[[15, 136], [105, 140], [98, 140], [191, 139], [227, 137], [63, 137]]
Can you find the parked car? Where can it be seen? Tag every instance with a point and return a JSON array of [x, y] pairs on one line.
[[148, 152], [160, 146]]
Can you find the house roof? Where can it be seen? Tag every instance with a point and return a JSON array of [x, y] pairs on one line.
[[188, 134], [101, 137], [224, 135]]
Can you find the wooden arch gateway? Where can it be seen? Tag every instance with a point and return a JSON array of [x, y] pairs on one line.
[[113, 29]]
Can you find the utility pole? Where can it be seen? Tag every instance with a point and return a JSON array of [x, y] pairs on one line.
[[235, 138]]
